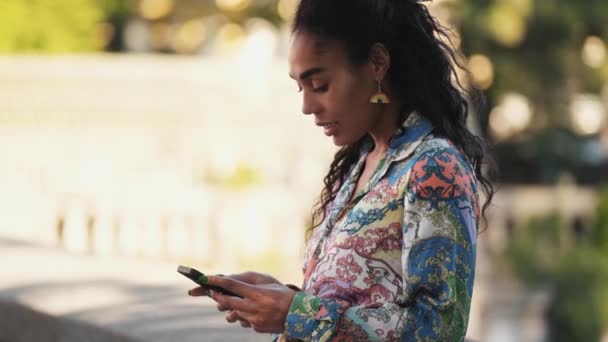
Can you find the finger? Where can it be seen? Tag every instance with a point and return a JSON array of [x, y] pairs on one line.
[[234, 285], [199, 291], [232, 303], [222, 308], [245, 277], [246, 316], [232, 316]]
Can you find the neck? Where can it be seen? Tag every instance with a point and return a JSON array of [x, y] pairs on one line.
[[385, 128]]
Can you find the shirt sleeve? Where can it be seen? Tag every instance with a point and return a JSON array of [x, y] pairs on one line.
[[438, 263]]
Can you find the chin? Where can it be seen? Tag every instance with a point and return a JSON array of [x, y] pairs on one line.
[[341, 141]]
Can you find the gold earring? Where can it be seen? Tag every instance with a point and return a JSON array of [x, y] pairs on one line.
[[380, 96]]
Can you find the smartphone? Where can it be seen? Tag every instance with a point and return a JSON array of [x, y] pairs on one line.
[[199, 278]]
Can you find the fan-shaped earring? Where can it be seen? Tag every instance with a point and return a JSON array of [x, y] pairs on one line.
[[380, 96]]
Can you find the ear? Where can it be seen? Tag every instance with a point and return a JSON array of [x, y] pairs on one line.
[[379, 60]]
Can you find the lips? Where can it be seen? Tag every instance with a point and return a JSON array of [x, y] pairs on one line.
[[329, 128]]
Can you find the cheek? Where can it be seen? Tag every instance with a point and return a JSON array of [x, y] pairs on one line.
[[358, 109], [350, 98], [356, 90]]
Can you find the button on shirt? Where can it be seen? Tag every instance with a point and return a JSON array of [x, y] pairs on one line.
[[395, 262]]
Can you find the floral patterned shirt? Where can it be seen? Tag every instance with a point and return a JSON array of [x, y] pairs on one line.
[[397, 261]]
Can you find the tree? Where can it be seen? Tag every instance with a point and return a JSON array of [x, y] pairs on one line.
[[574, 269], [57, 26], [535, 47]]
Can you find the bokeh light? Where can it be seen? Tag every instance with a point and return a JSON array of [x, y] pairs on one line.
[[594, 52], [229, 39], [255, 59], [286, 9], [482, 71], [587, 113], [189, 36], [155, 9], [233, 5], [260, 44], [507, 24], [511, 116]]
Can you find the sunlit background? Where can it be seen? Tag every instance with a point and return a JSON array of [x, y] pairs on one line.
[[159, 132]]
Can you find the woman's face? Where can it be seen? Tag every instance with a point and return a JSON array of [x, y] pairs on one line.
[[333, 90]]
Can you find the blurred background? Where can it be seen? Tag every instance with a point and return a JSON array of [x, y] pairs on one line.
[[160, 132]]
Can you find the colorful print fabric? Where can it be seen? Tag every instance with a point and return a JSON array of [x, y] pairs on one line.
[[397, 261]]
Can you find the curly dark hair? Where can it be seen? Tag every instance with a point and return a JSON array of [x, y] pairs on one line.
[[422, 74]]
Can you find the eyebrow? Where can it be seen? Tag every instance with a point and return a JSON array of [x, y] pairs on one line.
[[310, 72]]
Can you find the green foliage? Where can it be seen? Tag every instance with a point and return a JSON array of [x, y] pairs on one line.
[[544, 252], [600, 231], [539, 242], [56, 26], [242, 177], [535, 47], [578, 309]]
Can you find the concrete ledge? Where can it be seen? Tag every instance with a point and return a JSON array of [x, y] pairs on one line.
[[19, 323], [49, 295]]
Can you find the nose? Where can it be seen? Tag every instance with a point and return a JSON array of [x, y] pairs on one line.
[[310, 103]]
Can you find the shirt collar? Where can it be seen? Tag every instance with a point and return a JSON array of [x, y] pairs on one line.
[[412, 129], [402, 144]]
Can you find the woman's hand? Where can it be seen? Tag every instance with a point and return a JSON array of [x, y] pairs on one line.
[[253, 278], [264, 307]]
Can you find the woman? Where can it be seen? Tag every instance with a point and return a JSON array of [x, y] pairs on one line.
[[392, 254]]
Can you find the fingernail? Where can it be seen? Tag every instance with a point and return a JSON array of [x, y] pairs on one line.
[[189, 292]]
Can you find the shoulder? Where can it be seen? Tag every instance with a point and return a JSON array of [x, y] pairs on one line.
[[441, 172], [434, 144]]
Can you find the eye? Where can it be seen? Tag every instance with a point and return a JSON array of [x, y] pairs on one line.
[[318, 85], [320, 89]]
